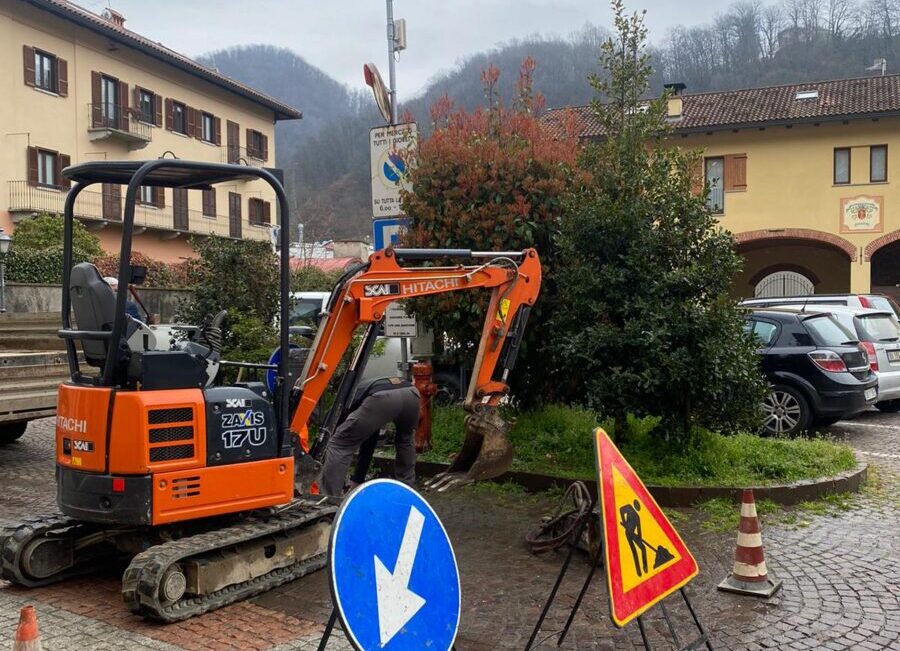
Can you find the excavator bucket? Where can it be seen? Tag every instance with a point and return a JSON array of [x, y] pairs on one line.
[[486, 452]]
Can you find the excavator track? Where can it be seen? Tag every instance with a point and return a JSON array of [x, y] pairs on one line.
[[142, 581], [15, 541]]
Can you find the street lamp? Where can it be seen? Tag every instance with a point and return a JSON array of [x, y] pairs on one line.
[[5, 241]]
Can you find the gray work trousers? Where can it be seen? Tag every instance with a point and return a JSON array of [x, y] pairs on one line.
[[400, 406]]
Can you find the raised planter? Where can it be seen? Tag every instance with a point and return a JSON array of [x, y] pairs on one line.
[[680, 496]]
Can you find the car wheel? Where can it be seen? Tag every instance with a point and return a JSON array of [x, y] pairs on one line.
[[10, 432], [785, 411], [888, 406], [449, 389]]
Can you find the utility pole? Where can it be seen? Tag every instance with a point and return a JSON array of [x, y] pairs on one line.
[[392, 69]]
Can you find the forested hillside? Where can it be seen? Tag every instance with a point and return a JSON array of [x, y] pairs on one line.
[[749, 43]]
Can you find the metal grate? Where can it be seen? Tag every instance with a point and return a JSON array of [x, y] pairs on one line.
[[185, 487], [169, 434], [180, 415], [171, 453]]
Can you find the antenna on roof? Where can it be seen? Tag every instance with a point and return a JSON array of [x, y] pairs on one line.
[[879, 64]]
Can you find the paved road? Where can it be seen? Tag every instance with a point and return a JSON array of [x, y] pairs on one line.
[[841, 576]]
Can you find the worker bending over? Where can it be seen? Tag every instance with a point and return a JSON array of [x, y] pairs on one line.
[[376, 403]]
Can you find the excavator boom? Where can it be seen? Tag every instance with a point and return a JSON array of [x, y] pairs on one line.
[[362, 297]]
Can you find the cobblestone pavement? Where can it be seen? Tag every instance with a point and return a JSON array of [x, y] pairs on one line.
[[841, 576]]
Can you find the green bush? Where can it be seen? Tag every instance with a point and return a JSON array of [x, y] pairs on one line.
[[46, 232], [24, 265], [159, 274], [308, 278]]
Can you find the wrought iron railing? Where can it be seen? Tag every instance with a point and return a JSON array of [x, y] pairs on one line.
[[105, 115], [241, 156], [91, 205]]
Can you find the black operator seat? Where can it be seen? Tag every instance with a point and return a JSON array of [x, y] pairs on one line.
[[94, 304]]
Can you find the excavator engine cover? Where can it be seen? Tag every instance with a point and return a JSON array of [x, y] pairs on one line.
[[240, 425]]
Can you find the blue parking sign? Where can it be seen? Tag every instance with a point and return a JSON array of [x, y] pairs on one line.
[[386, 231], [394, 578]]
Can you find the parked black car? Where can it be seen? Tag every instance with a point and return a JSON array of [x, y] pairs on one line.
[[818, 370]]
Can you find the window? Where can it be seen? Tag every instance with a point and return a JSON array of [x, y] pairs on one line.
[[715, 171], [147, 106], [45, 71], [209, 203], [179, 118], [109, 90], [46, 168], [763, 331], [209, 129], [256, 144], [146, 196], [841, 165], [259, 212], [826, 331], [878, 164]]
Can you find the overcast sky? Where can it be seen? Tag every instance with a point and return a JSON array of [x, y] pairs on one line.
[[338, 36]]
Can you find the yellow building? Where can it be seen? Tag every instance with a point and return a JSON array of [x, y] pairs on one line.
[[805, 176], [78, 87]]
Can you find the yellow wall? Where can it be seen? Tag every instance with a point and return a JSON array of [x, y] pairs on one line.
[[33, 117], [790, 186]]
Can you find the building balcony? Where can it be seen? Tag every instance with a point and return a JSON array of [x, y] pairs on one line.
[[97, 211], [241, 156], [118, 123]]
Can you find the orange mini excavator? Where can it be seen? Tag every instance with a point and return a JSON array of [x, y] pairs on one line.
[[203, 488]]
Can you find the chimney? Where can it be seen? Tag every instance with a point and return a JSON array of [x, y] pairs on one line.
[[114, 17], [675, 101]]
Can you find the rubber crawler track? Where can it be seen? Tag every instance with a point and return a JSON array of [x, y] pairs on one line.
[[15, 538], [141, 581]]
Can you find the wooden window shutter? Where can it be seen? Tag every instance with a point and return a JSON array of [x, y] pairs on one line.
[[233, 133], [28, 64], [157, 110], [735, 173], [136, 99], [698, 177], [123, 106], [170, 119], [217, 131], [191, 121], [96, 115], [62, 77], [266, 212], [198, 122], [264, 154], [62, 162], [32, 165], [248, 137], [159, 197], [209, 202]]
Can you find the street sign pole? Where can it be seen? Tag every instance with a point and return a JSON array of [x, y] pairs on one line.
[[392, 81], [392, 71]]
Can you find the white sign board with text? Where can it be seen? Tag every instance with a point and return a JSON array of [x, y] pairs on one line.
[[397, 323], [393, 151]]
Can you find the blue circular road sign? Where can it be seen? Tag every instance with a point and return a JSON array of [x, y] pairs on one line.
[[394, 578]]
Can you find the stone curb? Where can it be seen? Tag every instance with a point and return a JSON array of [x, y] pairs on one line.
[[679, 496]]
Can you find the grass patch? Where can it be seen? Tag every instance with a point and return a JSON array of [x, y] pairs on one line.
[[722, 515], [557, 440]]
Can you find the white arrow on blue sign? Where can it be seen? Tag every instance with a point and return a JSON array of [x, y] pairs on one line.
[[394, 578]]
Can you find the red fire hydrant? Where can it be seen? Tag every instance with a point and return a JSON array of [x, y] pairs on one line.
[[421, 372]]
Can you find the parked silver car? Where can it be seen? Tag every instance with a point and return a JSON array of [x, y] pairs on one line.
[[878, 331], [858, 301]]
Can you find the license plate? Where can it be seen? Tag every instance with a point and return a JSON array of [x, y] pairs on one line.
[[871, 394], [893, 356]]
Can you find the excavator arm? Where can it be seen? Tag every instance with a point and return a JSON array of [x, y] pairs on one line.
[[362, 297]]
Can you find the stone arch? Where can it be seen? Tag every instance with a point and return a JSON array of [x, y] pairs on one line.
[[799, 234], [884, 240]]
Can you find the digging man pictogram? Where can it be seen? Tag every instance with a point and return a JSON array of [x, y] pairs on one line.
[[631, 522]]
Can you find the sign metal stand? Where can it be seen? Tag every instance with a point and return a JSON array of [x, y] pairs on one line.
[[629, 515]]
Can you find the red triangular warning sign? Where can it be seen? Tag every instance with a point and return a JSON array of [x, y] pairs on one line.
[[646, 560]]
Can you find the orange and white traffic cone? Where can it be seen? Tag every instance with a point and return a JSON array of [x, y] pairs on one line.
[[750, 575], [28, 637]]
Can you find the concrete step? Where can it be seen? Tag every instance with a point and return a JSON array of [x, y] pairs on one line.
[[29, 326], [30, 341], [36, 317], [9, 387], [28, 401]]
